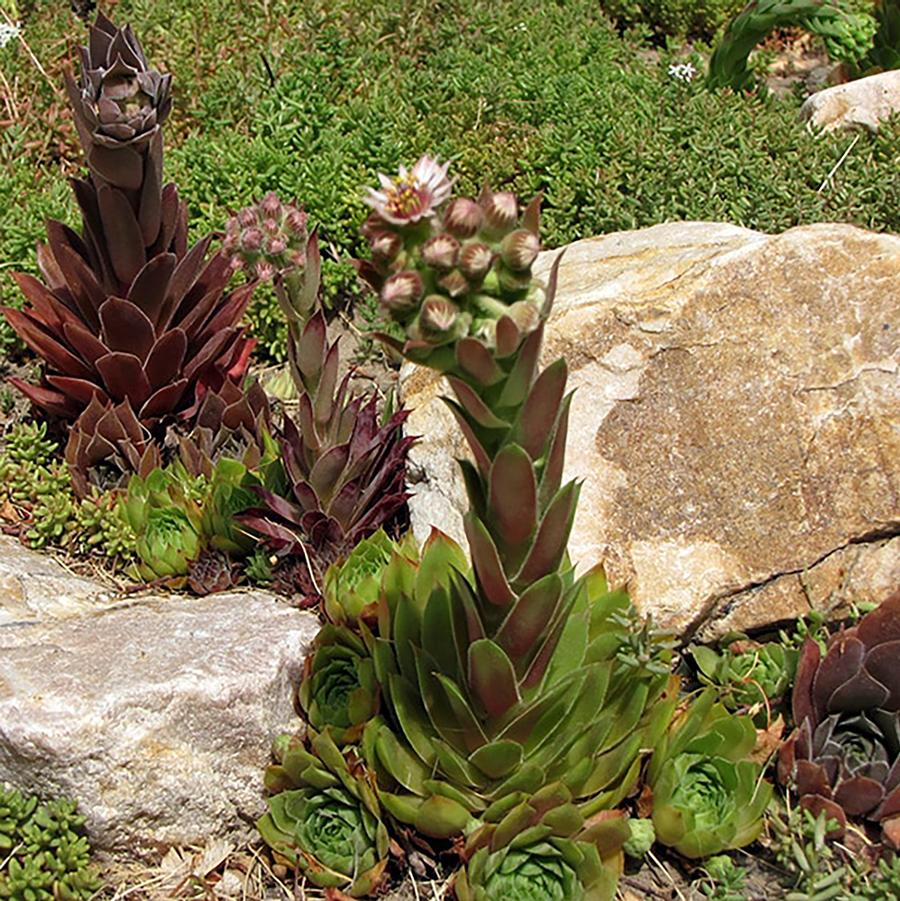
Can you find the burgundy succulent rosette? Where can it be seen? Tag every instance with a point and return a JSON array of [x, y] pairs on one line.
[[843, 758]]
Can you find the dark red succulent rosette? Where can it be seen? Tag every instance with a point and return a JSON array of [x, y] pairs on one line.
[[844, 756]]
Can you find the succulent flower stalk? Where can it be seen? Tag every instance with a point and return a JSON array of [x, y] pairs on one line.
[[130, 322], [502, 679]]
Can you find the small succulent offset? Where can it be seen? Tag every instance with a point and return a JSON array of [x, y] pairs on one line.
[[44, 855], [707, 797], [352, 588], [132, 325], [748, 675], [339, 693], [324, 817], [448, 271], [843, 758], [167, 522], [540, 847]]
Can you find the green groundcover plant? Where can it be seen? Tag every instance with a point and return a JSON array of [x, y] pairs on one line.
[[533, 96], [44, 854]]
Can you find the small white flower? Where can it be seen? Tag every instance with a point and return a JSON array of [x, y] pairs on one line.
[[412, 195], [520, 26], [9, 32], [682, 71]]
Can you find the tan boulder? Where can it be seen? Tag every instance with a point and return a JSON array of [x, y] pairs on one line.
[[863, 103], [736, 421]]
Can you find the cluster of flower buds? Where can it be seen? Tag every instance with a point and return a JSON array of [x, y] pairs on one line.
[[449, 270], [268, 239]]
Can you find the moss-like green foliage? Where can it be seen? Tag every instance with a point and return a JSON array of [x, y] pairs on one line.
[[530, 96], [37, 483], [101, 525], [676, 18], [44, 855]]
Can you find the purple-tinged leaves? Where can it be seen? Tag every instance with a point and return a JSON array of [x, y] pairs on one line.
[[492, 677], [512, 499], [492, 580], [550, 542], [541, 408]]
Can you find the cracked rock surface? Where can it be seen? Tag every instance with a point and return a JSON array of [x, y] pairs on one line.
[[736, 421], [156, 713]]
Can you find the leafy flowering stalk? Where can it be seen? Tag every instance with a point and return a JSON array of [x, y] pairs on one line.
[[270, 240], [324, 817], [507, 680], [844, 756], [707, 797], [450, 271], [132, 324]]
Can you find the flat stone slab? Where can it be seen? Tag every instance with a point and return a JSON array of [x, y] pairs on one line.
[[156, 714], [736, 420]]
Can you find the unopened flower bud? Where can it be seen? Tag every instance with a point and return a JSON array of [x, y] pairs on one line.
[[236, 263], [475, 260], [296, 221], [270, 204], [230, 243], [402, 292], [520, 249], [271, 226], [501, 212], [512, 282], [441, 251], [276, 246], [251, 240], [463, 217], [386, 246], [246, 217], [438, 316], [455, 283], [265, 271]]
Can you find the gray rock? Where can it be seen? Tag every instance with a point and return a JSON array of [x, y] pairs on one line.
[[157, 714], [736, 420], [34, 587], [863, 103]]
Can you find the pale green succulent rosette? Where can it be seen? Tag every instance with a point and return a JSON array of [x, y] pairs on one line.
[[353, 586], [707, 797], [339, 692], [167, 523], [325, 819], [541, 848]]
